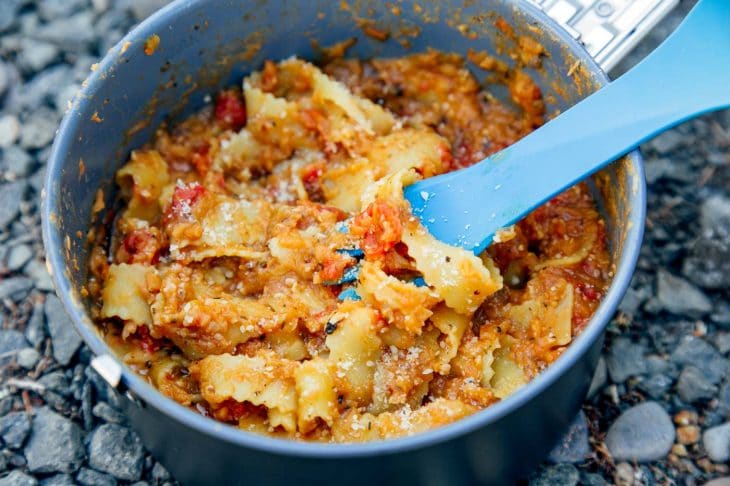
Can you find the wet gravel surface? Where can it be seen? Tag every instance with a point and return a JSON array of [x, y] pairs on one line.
[[659, 408]]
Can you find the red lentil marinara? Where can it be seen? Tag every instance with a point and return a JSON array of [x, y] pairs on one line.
[[219, 279]]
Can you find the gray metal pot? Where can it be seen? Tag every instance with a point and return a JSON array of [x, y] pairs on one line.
[[207, 44]]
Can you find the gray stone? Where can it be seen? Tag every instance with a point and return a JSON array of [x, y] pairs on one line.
[[141, 9], [678, 296], [600, 377], [65, 339], [89, 477], [159, 473], [642, 433], [37, 270], [39, 129], [721, 314], [17, 161], [656, 385], [107, 413], [11, 341], [35, 329], [667, 142], [40, 89], [708, 263], [625, 359], [715, 217], [700, 354], [562, 474], [722, 342], [116, 450], [74, 33], [28, 358], [11, 196], [8, 14], [9, 130], [716, 442], [58, 480], [36, 55], [592, 479], [4, 78], [49, 10], [18, 478], [692, 386], [55, 381], [574, 446], [18, 256], [55, 444], [14, 428], [65, 96]]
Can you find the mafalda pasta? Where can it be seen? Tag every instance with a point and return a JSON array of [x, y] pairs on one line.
[[224, 277]]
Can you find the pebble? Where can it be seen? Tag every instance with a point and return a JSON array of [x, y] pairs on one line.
[[89, 477], [592, 479], [715, 217], [55, 444], [562, 474], [107, 413], [8, 16], [656, 385], [49, 10], [37, 270], [9, 130], [688, 434], [142, 9], [600, 377], [574, 446], [11, 196], [35, 329], [700, 354], [723, 399], [692, 386], [17, 161], [55, 381], [28, 358], [65, 96], [14, 428], [11, 340], [159, 473], [667, 142], [58, 480], [18, 256], [625, 359], [624, 475], [39, 129], [721, 340], [36, 55], [642, 433], [74, 33], [708, 263], [716, 441], [66, 341], [116, 450], [18, 478], [4, 78], [724, 481], [678, 296]]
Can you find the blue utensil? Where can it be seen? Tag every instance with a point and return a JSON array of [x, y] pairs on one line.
[[689, 74]]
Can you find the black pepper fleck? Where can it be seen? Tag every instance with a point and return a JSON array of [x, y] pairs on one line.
[[330, 327]]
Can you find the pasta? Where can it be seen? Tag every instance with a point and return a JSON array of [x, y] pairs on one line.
[[265, 269]]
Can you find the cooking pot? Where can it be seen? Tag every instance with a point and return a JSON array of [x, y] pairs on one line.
[[164, 69]]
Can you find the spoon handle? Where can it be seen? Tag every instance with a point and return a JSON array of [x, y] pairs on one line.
[[689, 74]]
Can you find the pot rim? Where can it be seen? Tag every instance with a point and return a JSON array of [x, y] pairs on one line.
[[150, 396]]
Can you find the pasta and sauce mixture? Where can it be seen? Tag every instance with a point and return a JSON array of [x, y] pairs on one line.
[[266, 270]]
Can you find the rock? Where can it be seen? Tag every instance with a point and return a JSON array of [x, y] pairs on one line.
[[74, 33], [18, 256], [9, 130], [28, 358], [37, 270], [658, 169], [10, 341], [141, 9], [722, 341], [107, 413], [18, 478], [14, 428], [35, 329], [17, 161], [715, 217], [40, 89], [563, 474], [50, 10], [642, 433], [55, 381], [116, 450], [592, 479], [11, 196], [600, 377], [656, 385], [721, 315], [39, 129], [716, 442], [15, 288], [678, 296], [65, 96], [89, 477], [58, 480], [692, 386], [625, 475], [698, 353], [8, 14], [36, 55], [708, 263], [574, 446], [55, 444], [723, 399], [65, 339], [625, 359], [667, 142], [725, 481], [159, 473]]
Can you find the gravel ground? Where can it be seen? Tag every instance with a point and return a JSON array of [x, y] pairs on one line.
[[659, 408]]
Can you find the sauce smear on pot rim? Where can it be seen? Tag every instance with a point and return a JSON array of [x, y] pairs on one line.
[[218, 280]]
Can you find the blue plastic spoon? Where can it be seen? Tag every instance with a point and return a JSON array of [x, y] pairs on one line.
[[689, 74]]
